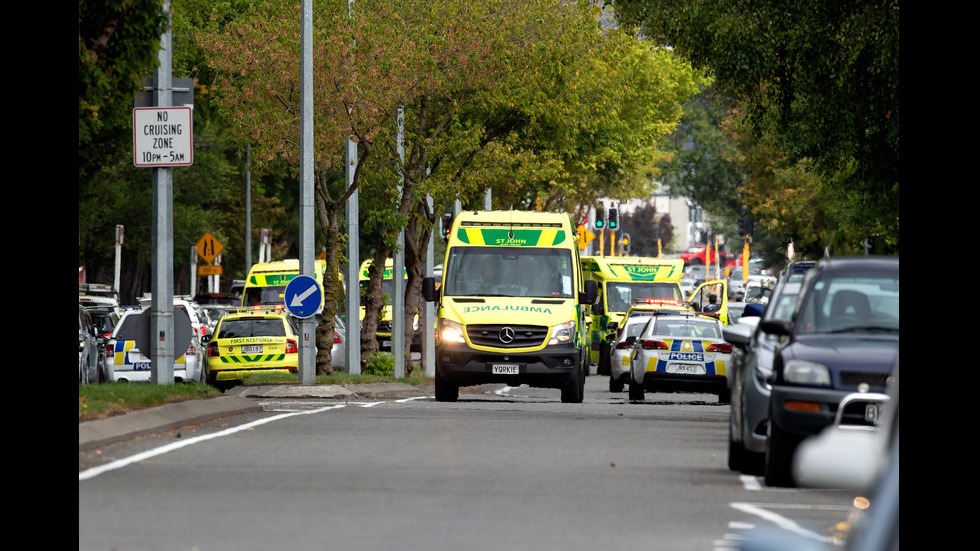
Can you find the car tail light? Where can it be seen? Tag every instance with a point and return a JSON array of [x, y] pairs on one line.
[[723, 348], [291, 346], [336, 338], [624, 345], [650, 344], [192, 349], [213, 348], [110, 351]]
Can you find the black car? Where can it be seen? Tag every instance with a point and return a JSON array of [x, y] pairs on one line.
[[843, 337]]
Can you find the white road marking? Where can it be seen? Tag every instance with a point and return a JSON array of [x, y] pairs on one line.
[[96, 471]]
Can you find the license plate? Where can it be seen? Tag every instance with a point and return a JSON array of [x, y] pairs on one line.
[[692, 369], [251, 349], [505, 369], [871, 413], [386, 344]]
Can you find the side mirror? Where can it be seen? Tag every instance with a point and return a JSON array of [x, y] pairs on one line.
[[205, 339], [429, 292], [776, 327], [591, 292]]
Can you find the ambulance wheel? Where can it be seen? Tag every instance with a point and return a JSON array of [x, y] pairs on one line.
[[445, 392], [574, 390]]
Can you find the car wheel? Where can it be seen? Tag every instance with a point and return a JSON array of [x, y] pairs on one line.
[[636, 391], [445, 392], [615, 385], [604, 367], [734, 454], [725, 396], [779, 457]]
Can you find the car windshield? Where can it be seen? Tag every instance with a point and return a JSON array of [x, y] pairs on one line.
[[509, 272], [255, 296], [248, 327], [686, 328], [865, 302], [619, 295]]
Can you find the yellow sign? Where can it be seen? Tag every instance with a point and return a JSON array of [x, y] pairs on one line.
[[584, 236], [208, 247], [208, 270]]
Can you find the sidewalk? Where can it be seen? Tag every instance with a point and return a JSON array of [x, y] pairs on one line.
[[241, 399]]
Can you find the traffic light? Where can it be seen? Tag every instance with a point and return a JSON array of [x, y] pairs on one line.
[[614, 218], [600, 219], [447, 225], [626, 243]]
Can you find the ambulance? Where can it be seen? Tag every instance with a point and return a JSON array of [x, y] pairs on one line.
[[624, 281], [266, 282], [513, 305]]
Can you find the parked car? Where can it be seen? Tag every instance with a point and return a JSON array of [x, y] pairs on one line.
[[88, 349], [683, 352], [337, 353], [124, 361], [843, 337], [751, 371], [250, 342]]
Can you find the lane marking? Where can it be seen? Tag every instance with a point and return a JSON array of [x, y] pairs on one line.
[[783, 522], [118, 464]]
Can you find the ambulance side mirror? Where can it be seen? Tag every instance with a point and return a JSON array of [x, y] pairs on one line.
[[429, 292]]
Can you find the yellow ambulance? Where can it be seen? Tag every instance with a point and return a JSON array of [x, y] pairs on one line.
[[621, 280], [513, 305], [387, 288], [266, 282]]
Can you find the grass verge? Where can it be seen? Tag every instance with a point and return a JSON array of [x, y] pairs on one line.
[[100, 401]]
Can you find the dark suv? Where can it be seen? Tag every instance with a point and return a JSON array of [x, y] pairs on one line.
[[843, 337]]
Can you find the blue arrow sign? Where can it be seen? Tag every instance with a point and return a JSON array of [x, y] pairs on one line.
[[303, 296]]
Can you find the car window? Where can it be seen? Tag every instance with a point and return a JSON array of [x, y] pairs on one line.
[[851, 302], [699, 329], [236, 329]]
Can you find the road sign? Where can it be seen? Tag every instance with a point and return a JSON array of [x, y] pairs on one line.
[[163, 136], [584, 236], [303, 296], [208, 247], [209, 270]]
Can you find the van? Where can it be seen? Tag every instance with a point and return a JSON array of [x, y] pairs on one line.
[[387, 288], [513, 305], [266, 282], [620, 281]]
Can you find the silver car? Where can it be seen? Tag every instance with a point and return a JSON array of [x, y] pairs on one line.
[[751, 369]]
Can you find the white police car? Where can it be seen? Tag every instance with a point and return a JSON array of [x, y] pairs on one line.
[[680, 352], [125, 362]]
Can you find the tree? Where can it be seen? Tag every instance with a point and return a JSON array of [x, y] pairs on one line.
[[118, 41], [492, 92], [819, 82]]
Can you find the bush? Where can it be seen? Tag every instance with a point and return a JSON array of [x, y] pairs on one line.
[[381, 364]]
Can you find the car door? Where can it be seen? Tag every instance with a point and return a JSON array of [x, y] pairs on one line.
[[717, 287]]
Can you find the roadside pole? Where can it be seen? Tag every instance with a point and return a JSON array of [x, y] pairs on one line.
[[307, 326]]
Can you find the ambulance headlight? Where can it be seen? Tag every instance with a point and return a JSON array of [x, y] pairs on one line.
[[450, 332], [562, 333]]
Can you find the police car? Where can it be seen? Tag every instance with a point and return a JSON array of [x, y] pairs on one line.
[[680, 352], [627, 331], [251, 341], [125, 362]]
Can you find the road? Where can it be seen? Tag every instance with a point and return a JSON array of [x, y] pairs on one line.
[[510, 468]]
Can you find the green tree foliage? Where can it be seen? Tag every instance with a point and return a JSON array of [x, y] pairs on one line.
[[118, 42], [819, 81], [493, 92]]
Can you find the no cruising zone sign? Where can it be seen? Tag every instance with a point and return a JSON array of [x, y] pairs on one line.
[[163, 136]]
